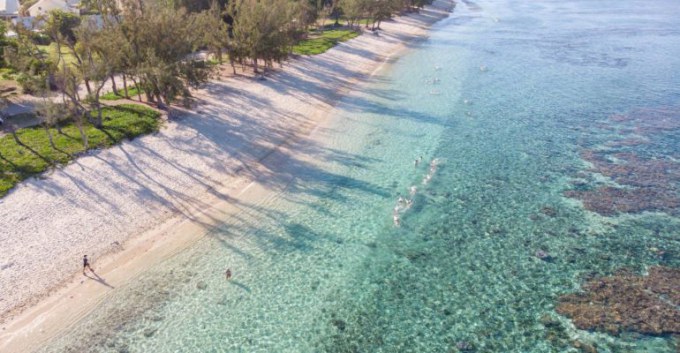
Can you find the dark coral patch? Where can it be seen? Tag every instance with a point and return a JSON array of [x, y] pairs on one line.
[[627, 302], [642, 182], [609, 201]]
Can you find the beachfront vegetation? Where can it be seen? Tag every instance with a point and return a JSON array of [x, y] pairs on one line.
[[321, 42], [151, 46], [150, 42], [263, 30], [30, 151], [119, 94]]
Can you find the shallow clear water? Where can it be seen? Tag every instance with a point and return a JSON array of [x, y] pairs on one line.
[[507, 95]]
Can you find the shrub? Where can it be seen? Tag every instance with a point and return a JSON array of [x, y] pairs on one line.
[[40, 39], [31, 84]]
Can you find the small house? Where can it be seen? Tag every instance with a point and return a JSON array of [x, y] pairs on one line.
[[9, 8], [43, 7]]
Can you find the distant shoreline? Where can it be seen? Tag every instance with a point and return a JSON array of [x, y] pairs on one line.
[[134, 205]]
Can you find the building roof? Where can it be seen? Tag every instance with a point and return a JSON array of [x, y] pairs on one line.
[[9, 7], [48, 5]]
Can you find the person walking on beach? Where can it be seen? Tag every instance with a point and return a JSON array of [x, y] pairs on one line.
[[86, 264], [227, 274]]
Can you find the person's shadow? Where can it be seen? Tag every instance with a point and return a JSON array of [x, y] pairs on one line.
[[240, 285], [96, 277]]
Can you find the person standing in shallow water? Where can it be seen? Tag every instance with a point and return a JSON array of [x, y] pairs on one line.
[[86, 264], [227, 274]]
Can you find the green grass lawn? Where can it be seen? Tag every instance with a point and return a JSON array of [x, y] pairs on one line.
[[132, 92], [7, 74], [18, 163], [51, 51], [320, 43]]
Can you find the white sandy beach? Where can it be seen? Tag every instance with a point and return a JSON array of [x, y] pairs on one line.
[[132, 205]]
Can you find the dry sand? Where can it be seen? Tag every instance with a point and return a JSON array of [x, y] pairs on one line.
[[137, 203]]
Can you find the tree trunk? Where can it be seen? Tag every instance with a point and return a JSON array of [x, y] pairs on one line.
[[98, 104], [90, 119], [255, 65], [49, 136], [233, 66], [139, 91], [159, 101], [113, 85], [87, 86], [83, 136], [99, 123], [125, 89], [150, 96]]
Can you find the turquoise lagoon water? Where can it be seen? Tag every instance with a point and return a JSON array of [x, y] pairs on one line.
[[507, 95]]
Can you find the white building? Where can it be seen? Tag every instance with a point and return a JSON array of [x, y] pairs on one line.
[[9, 8], [43, 7], [30, 23]]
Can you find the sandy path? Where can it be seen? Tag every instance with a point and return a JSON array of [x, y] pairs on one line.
[[135, 204]]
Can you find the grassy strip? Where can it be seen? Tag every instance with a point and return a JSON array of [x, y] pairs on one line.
[[52, 54], [321, 43], [111, 96], [18, 163]]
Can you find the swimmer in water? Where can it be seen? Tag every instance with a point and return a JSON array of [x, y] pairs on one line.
[[227, 274], [395, 218], [412, 190], [415, 163]]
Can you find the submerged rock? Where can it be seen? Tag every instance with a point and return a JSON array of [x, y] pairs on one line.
[[626, 302], [543, 255], [549, 211], [465, 346], [554, 331], [149, 332], [584, 347], [341, 325]]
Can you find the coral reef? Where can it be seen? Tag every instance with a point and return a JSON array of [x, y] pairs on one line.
[[609, 201], [652, 120], [627, 302], [638, 183]]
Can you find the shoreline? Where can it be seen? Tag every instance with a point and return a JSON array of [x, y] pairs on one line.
[[173, 217]]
